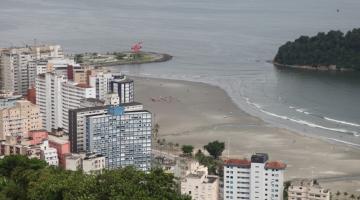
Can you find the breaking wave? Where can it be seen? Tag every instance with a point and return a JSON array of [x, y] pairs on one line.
[[303, 122]]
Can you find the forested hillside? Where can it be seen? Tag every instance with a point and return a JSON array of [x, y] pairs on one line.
[[324, 49]]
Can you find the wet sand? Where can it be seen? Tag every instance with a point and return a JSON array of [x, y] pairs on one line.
[[197, 113]]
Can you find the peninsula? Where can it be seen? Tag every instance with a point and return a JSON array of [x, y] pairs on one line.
[[325, 51], [121, 58]]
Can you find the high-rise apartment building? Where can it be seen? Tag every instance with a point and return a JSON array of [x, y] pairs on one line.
[[19, 119], [72, 93], [55, 96], [77, 122], [124, 87], [101, 82], [49, 99], [18, 65], [123, 137], [254, 179]]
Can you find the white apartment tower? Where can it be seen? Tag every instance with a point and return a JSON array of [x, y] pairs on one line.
[[255, 179], [49, 99], [101, 82], [72, 94], [55, 96]]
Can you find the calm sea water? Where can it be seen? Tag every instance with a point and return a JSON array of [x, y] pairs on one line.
[[224, 43]]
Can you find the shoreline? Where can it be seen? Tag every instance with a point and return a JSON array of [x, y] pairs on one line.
[[188, 115], [328, 138], [317, 68]]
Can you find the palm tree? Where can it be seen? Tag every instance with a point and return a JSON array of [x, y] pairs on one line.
[[156, 130], [338, 193]]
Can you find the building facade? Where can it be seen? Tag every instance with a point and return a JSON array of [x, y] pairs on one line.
[[199, 184], [77, 122], [48, 98], [8, 99], [18, 65], [55, 96], [62, 146], [305, 189], [123, 137], [254, 179], [101, 82], [88, 163], [124, 87], [71, 95], [49, 154], [19, 119]]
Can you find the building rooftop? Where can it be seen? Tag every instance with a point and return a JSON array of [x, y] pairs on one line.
[[245, 163], [61, 140], [212, 179], [122, 79], [259, 158], [275, 165]]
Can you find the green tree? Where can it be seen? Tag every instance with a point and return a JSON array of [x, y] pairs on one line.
[[324, 49], [79, 58], [31, 179], [215, 148], [187, 150], [156, 130], [286, 189]]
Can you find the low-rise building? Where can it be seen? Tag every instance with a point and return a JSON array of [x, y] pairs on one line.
[[73, 162], [93, 164], [8, 99], [307, 189], [36, 145], [200, 185], [62, 146], [49, 154], [88, 163]]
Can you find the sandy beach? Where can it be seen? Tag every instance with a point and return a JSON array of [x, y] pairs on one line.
[[197, 113]]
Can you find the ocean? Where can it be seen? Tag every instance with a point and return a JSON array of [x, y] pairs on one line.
[[224, 43]]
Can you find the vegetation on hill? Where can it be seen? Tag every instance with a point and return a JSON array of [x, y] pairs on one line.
[[32, 179], [323, 50]]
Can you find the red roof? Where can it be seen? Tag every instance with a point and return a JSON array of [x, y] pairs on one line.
[[275, 165], [238, 162]]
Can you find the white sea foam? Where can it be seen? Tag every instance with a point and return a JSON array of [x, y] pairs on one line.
[[303, 110], [345, 142], [342, 122], [310, 124]]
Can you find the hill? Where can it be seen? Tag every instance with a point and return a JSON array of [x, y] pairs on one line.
[[333, 50]]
